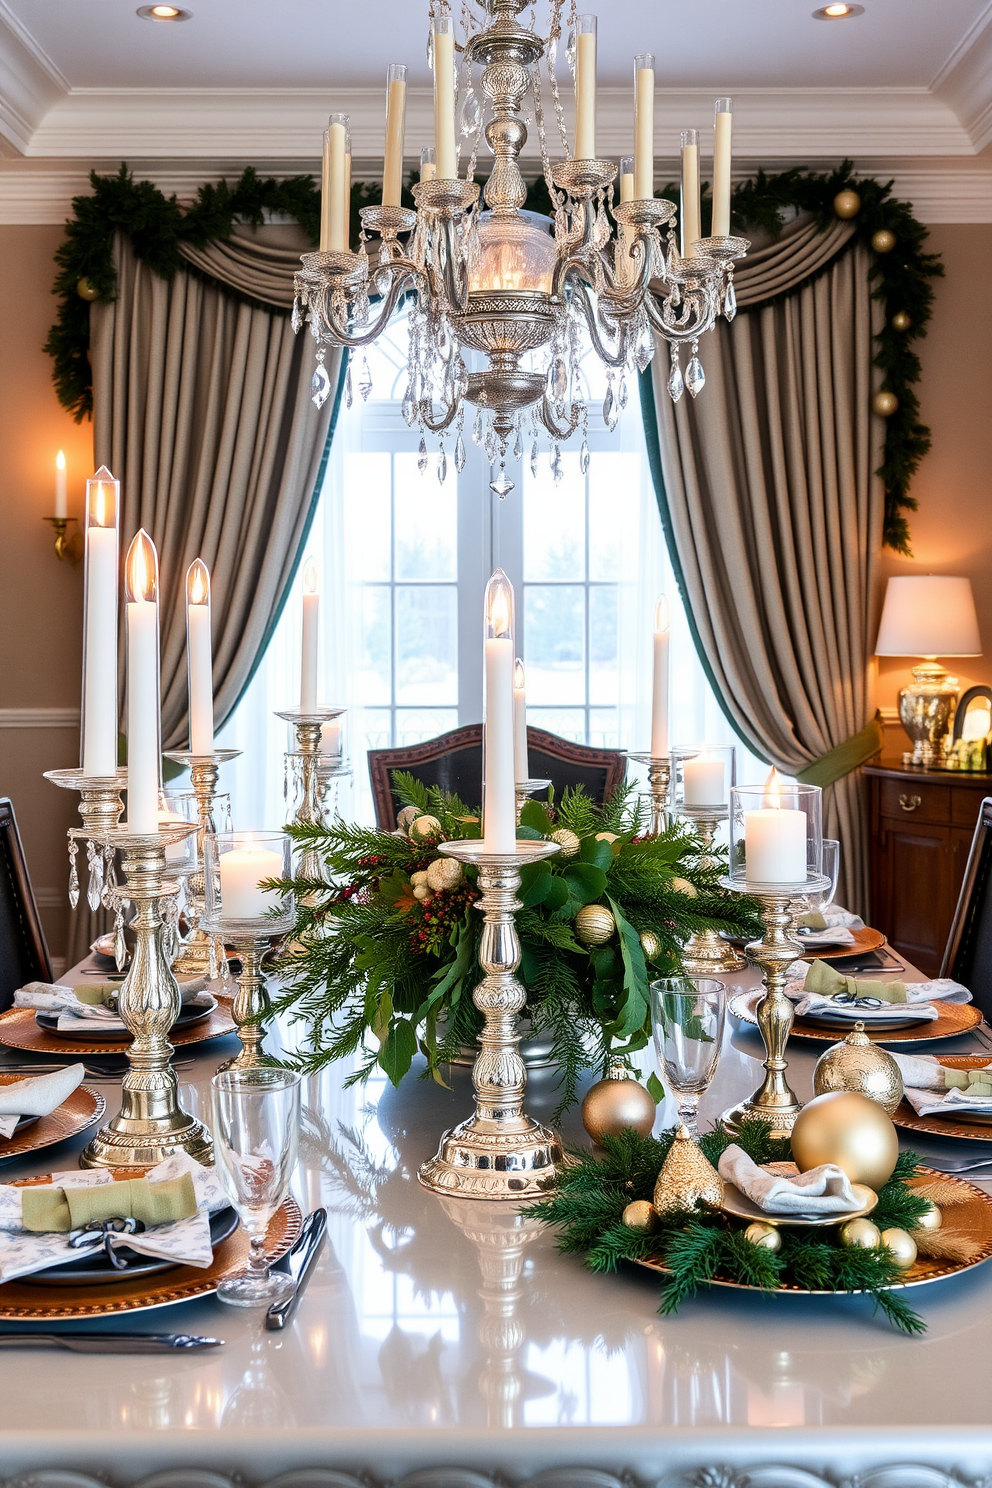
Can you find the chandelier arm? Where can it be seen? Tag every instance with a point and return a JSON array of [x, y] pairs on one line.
[[559, 431], [449, 283], [425, 415], [402, 272], [594, 322], [673, 330]]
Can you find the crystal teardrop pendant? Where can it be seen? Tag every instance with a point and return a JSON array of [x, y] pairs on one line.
[[349, 392], [320, 385], [94, 862], [422, 455], [559, 382], [408, 408], [460, 456], [518, 444], [477, 428], [471, 113], [533, 459], [442, 467], [73, 874], [364, 379], [296, 319], [695, 377], [730, 301], [608, 406], [622, 393], [120, 948], [644, 352], [556, 465], [584, 457], [676, 385]]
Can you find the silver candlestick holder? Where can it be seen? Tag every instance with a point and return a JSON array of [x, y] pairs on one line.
[[524, 789], [659, 782], [499, 1152], [151, 1125], [201, 955], [303, 769], [252, 1000], [100, 807], [706, 952]]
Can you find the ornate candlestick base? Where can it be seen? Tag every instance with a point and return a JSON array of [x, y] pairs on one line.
[[524, 789], [774, 1101], [100, 807], [706, 952], [151, 1125], [200, 956], [499, 1152], [659, 780], [252, 999], [303, 763]]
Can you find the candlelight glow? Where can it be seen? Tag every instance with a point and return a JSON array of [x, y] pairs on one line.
[[662, 614], [499, 606], [141, 569], [101, 499], [772, 798], [198, 583], [60, 461], [518, 673], [310, 577]]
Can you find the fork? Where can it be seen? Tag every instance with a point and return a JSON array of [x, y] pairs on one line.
[[970, 1166]]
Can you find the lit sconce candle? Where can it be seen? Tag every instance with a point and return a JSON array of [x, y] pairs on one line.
[[61, 504], [392, 166], [626, 178], [521, 763], [199, 657], [144, 753], [325, 194], [99, 733], [689, 222], [704, 781], [659, 694], [308, 659], [347, 188], [644, 127], [499, 816], [722, 131], [428, 167], [242, 872], [774, 839], [585, 88], [444, 98], [335, 172]]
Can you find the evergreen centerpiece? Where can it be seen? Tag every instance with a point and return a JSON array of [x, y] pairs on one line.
[[384, 957]]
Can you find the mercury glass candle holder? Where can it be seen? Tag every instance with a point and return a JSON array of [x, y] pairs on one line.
[[659, 783], [100, 806], [702, 778], [302, 771], [246, 914], [524, 789]]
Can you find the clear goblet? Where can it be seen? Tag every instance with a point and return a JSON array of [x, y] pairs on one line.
[[256, 1130], [687, 1018]]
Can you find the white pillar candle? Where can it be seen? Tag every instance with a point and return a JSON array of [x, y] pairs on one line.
[[585, 88], [175, 852], [330, 739], [428, 168], [61, 505], [99, 741], [445, 155], [521, 763], [627, 178], [704, 782], [337, 214], [242, 871], [499, 820], [659, 694], [308, 659], [199, 659], [689, 222], [774, 840], [644, 127], [723, 124], [143, 703], [392, 165]]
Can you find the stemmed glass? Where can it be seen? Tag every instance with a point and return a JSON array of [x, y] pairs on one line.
[[816, 903], [687, 1018], [256, 1130]]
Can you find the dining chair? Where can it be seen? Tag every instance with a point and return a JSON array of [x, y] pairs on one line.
[[968, 953], [23, 952], [453, 761]]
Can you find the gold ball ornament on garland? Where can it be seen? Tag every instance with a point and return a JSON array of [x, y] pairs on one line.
[[861, 1232], [901, 321], [687, 1178], [444, 873], [850, 1130], [425, 829], [930, 1219], [883, 241], [847, 204], [405, 817], [86, 290], [765, 1236], [902, 1246], [567, 841], [642, 1216], [884, 403], [616, 1103], [683, 886], [858, 1064], [594, 924], [650, 945]]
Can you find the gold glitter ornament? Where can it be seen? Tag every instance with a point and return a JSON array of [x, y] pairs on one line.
[[616, 1103], [650, 945], [902, 1246], [884, 404], [687, 1178], [640, 1215], [765, 1236], [683, 886], [901, 321], [594, 924], [861, 1232], [425, 829], [405, 817], [847, 204], [444, 873], [86, 290], [850, 1130], [858, 1064], [930, 1219], [567, 841], [883, 241]]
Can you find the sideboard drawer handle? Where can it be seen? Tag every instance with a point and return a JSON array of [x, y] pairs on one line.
[[910, 803]]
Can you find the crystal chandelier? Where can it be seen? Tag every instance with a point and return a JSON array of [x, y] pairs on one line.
[[526, 298]]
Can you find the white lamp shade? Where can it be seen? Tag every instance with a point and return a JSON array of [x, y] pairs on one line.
[[928, 615]]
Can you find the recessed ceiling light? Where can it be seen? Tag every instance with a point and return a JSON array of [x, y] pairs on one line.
[[164, 13], [838, 12]]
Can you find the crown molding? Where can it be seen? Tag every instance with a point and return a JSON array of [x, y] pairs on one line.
[[964, 83], [30, 83]]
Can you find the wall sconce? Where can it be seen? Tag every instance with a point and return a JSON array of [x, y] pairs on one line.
[[66, 546]]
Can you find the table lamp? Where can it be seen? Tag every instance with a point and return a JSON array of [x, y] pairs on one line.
[[928, 615]]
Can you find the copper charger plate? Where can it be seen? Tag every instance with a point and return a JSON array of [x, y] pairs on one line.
[[864, 941], [972, 1217], [977, 1128], [953, 1019], [23, 1302], [83, 1108], [18, 1030]]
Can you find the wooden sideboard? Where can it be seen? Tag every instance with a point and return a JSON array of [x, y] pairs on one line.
[[921, 824]]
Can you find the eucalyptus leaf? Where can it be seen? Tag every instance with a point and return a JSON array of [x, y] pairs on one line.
[[586, 882], [535, 815], [396, 1054], [598, 853]]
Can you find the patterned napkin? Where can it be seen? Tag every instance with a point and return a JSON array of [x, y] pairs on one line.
[[832, 917], [89, 1002], [815, 990], [37, 1096], [184, 1241], [823, 1190], [934, 1090]]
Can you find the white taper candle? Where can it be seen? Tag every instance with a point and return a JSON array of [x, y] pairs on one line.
[[521, 763], [446, 157], [199, 658], [61, 502], [722, 132], [585, 88], [99, 741], [308, 657], [144, 755], [659, 692], [392, 166], [499, 815], [644, 127]]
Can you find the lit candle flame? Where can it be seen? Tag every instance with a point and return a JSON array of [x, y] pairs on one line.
[[101, 499], [518, 674], [499, 606], [60, 461], [141, 568], [662, 614], [198, 583], [772, 798], [310, 577]]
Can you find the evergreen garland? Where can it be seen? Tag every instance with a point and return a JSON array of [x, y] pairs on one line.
[[157, 225], [587, 1205]]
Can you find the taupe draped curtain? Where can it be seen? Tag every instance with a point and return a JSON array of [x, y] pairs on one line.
[[773, 511]]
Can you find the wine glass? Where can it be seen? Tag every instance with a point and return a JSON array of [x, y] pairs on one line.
[[687, 1018], [256, 1130]]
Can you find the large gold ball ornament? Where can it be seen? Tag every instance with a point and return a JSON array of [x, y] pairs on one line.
[[858, 1064], [594, 924], [640, 1215], [425, 829], [765, 1236], [610, 837], [405, 817], [850, 1130], [567, 841], [616, 1103], [847, 204], [444, 873], [902, 1246], [650, 945], [884, 403], [86, 289], [683, 886], [901, 321], [883, 241], [861, 1232], [930, 1219]]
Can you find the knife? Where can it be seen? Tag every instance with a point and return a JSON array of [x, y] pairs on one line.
[[301, 1259], [111, 1343]]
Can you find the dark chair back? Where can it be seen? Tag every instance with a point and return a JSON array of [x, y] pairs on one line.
[[968, 954], [23, 953], [453, 762]]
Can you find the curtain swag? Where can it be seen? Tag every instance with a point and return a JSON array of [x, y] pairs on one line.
[[854, 752]]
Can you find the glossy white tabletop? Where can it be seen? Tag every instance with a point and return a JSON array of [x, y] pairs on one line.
[[449, 1331]]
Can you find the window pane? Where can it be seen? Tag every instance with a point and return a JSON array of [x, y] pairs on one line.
[[427, 644], [373, 678], [426, 521], [614, 499], [554, 637], [570, 723], [603, 648], [377, 731], [415, 724], [366, 513], [604, 730], [555, 522]]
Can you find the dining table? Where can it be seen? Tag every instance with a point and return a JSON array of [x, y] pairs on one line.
[[446, 1343]]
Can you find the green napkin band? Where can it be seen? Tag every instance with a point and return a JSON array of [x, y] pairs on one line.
[[825, 981], [813, 921], [959, 1079], [96, 994], [65, 1209]]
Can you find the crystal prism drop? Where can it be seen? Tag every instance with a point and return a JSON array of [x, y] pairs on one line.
[[471, 113], [695, 377], [570, 47], [296, 320], [320, 386], [477, 428], [491, 445], [408, 407], [73, 875], [120, 947], [364, 379], [559, 381], [622, 393], [676, 386], [442, 467], [422, 455], [93, 890], [460, 456], [502, 484], [608, 406], [730, 302], [518, 444], [556, 465], [533, 459], [349, 392], [584, 457], [644, 353]]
